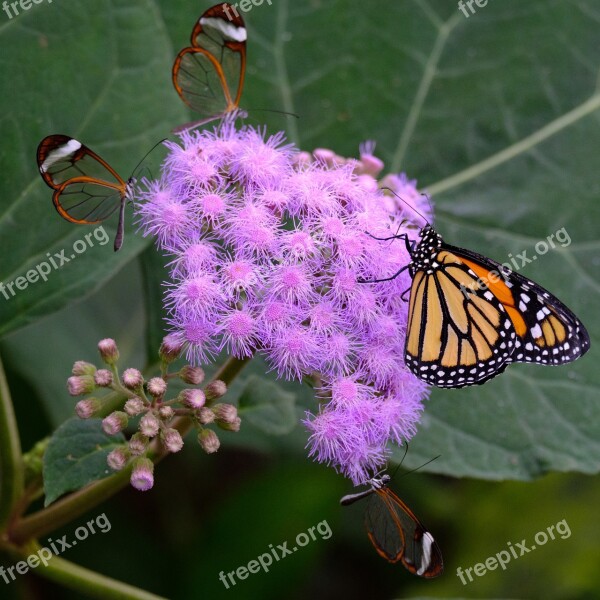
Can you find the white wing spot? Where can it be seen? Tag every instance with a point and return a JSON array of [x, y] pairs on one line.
[[61, 152], [228, 30]]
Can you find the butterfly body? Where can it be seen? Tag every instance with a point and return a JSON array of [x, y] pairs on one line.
[[470, 317], [395, 532]]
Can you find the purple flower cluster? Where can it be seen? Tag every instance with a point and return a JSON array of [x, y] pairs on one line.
[[269, 249]]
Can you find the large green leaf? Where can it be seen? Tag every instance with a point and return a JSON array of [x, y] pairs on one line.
[[97, 71], [495, 114]]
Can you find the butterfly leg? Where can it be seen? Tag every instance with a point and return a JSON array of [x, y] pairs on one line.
[[401, 236], [385, 278]]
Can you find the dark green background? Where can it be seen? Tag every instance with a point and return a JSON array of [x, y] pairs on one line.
[[467, 107]]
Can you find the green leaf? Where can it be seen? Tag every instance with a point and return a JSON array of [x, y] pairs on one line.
[[267, 406], [99, 72], [76, 456], [495, 115]]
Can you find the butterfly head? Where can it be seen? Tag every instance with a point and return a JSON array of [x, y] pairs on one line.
[[423, 256], [130, 188], [377, 482]]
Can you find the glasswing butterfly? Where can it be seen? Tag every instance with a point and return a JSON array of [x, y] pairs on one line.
[[469, 316], [395, 531], [87, 190], [209, 74]]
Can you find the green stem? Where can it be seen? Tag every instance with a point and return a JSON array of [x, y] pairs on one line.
[[11, 459], [230, 369], [64, 511], [83, 581]]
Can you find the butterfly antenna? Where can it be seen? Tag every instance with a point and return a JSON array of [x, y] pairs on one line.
[[148, 153], [402, 459], [410, 206], [429, 203], [421, 466], [278, 112]]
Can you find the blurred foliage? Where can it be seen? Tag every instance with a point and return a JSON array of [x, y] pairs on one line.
[[440, 94]]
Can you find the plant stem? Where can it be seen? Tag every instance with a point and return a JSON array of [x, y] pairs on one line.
[[11, 459], [65, 510]]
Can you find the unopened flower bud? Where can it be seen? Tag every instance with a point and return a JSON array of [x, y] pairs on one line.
[[302, 158], [108, 351], [134, 406], [205, 415], [81, 367], [324, 156], [225, 413], [157, 386], [103, 378], [194, 399], [87, 408], [215, 389], [170, 348], [209, 441], [230, 425], [132, 379], [114, 423], [142, 476], [118, 458], [79, 385], [138, 444], [369, 164], [192, 375], [172, 440], [149, 425], [166, 413]]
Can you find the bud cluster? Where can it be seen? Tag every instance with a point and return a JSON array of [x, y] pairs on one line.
[[148, 410]]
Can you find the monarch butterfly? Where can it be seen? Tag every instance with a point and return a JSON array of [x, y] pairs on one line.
[[395, 531], [209, 74], [469, 316], [87, 189]]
